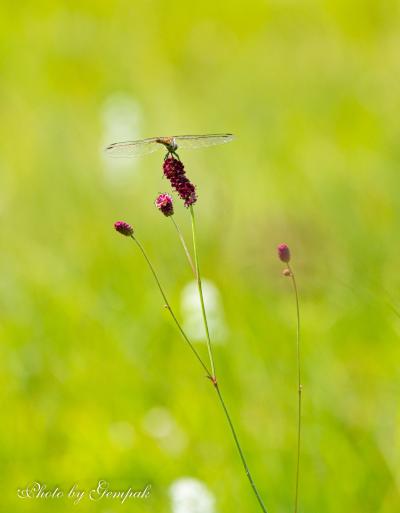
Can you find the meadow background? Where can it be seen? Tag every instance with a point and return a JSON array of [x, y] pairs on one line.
[[95, 381]]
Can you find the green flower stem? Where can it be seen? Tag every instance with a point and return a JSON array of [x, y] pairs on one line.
[[214, 380], [168, 306], [200, 289], [239, 448], [185, 248], [300, 387]]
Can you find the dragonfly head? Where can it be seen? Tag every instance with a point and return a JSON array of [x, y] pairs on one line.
[[169, 143]]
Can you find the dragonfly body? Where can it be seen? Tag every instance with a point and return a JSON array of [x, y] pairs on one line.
[[171, 143]]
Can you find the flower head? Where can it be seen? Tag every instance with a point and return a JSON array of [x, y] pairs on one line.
[[284, 253], [123, 228], [164, 204], [175, 172]]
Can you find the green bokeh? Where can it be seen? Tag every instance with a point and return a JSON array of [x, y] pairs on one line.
[[87, 351]]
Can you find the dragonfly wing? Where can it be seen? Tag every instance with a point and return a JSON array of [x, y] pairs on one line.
[[133, 148], [201, 141]]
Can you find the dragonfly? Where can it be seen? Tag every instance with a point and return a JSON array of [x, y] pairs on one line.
[[171, 143]]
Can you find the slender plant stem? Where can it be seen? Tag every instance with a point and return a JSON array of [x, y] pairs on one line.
[[239, 448], [168, 306], [211, 376], [214, 380], [200, 289], [300, 388], [185, 248]]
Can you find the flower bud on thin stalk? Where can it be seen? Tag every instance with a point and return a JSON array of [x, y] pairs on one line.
[[284, 253], [284, 256], [174, 170], [127, 230], [123, 228], [164, 203]]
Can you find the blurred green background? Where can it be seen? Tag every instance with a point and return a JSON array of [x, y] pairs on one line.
[[95, 381]]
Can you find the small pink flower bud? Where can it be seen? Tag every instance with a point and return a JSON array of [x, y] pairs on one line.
[[164, 204], [284, 253], [123, 228]]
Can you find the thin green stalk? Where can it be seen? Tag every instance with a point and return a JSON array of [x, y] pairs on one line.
[[214, 380], [185, 248], [239, 448], [200, 289], [168, 306], [300, 388]]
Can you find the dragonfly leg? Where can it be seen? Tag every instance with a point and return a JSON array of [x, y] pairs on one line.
[[172, 154]]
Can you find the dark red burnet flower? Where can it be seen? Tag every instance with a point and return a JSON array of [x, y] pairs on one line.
[[123, 228], [284, 253], [164, 204], [175, 172]]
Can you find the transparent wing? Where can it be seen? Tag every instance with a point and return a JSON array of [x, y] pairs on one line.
[[133, 148], [147, 146], [201, 141]]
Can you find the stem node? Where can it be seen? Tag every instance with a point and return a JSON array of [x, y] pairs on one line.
[[213, 380]]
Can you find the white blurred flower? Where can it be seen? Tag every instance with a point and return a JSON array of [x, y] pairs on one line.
[[121, 119], [191, 310], [160, 424], [189, 495]]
